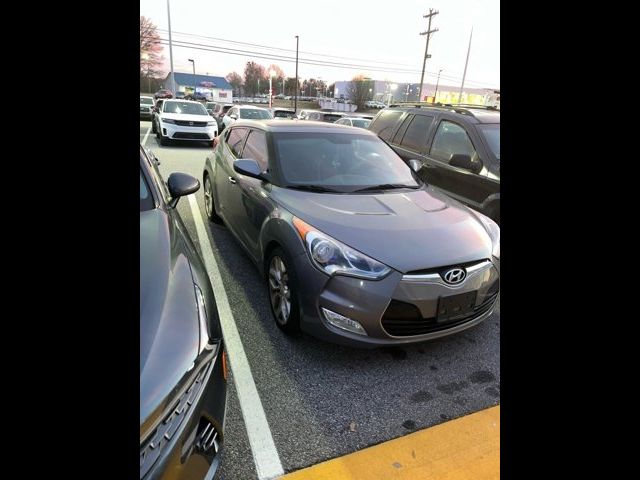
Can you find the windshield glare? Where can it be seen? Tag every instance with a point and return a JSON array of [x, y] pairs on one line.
[[185, 107], [344, 162], [491, 133], [254, 114]]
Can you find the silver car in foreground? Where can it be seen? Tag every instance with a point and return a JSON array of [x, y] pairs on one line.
[[353, 246]]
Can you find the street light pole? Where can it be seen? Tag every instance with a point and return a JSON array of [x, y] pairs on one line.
[[295, 107], [271, 74], [437, 83], [173, 78], [194, 77]]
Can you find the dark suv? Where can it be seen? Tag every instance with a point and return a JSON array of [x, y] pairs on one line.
[[458, 147]]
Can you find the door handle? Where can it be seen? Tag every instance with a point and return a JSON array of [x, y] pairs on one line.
[[232, 180]]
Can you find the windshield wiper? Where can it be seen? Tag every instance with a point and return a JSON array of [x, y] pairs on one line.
[[387, 186], [313, 188]]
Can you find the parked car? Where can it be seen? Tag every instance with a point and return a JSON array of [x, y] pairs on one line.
[[163, 93], [183, 368], [305, 113], [458, 147], [218, 110], [181, 96], [353, 246], [354, 122], [146, 107], [281, 112], [245, 112], [184, 120]]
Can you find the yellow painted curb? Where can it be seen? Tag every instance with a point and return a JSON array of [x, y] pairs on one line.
[[467, 448]]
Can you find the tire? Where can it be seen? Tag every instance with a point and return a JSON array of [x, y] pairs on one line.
[[162, 140], [279, 275], [209, 204]]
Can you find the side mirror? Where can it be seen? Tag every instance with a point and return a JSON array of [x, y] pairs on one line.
[[181, 184], [234, 116], [415, 165], [461, 160], [248, 167]]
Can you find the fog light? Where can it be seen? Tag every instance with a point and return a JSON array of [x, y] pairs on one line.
[[343, 322]]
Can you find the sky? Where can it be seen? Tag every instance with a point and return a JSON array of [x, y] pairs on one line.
[[369, 35]]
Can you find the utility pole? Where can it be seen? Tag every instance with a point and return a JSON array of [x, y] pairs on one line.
[[295, 107], [173, 78], [428, 33], [466, 62]]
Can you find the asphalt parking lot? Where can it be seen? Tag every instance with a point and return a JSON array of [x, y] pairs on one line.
[[322, 400]]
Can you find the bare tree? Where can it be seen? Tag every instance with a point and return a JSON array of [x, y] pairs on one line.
[[151, 59], [254, 78], [235, 80], [358, 90]]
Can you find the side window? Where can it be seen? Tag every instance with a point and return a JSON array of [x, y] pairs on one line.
[[385, 123], [450, 139], [235, 139], [256, 148], [403, 128], [416, 136]]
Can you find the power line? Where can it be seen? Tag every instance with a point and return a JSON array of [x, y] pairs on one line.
[[306, 61], [285, 49]]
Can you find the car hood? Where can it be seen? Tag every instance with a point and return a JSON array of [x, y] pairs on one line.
[[407, 230], [169, 326], [186, 117]]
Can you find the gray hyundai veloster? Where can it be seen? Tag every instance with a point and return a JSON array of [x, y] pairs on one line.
[[353, 246]]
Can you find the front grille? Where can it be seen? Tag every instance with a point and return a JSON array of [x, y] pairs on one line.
[[192, 136], [145, 109], [185, 123], [151, 448], [403, 319], [441, 270]]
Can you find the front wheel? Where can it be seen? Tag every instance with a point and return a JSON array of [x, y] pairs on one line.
[[209, 205], [283, 298]]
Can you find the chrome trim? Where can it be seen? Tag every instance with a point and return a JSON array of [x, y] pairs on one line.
[[436, 278]]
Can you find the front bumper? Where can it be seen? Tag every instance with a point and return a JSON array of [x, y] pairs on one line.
[[199, 134], [399, 309], [183, 456]]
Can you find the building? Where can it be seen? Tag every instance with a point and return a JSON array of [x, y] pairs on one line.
[[390, 92], [215, 88]]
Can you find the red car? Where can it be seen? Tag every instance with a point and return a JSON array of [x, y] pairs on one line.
[[164, 93]]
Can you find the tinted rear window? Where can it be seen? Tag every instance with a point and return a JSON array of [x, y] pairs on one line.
[[385, 124], [416, 136]]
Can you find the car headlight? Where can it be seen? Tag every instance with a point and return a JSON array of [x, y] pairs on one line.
[[166, 120], [336, 258], [211, 124], [494, 231]]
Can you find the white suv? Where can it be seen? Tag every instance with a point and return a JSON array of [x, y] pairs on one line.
[[184, 120], [244, 112]]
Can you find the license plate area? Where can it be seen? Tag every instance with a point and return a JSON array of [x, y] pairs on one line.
[[456, 306]]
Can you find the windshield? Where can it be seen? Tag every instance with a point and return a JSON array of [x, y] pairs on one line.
[[491, 133], [185, 107], [282, 114], [254, 114], [146, 100], [146, 200], [338, 161]]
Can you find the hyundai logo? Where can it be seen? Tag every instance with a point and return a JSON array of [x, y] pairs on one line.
[[454, 276]]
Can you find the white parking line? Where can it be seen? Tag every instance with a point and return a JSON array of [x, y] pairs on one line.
[[144, 141], [263, 448]]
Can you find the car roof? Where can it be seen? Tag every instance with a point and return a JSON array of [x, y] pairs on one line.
[[146, 96], [252, 107], [354, 118], [295, 125], [473, 113]]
